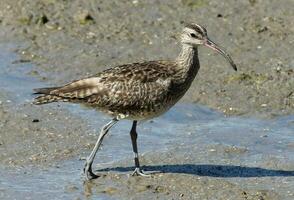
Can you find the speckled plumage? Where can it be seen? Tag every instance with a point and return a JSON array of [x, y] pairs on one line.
[[136, 91]]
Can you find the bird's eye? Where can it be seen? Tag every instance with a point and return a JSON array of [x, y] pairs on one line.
[[193, 35]]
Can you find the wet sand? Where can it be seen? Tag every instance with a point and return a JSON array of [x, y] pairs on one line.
[[241, 147]]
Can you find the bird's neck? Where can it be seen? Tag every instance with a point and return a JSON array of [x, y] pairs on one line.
[[187, 63]]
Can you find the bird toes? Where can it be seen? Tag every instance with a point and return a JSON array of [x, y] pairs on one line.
[[139, 172], [88, 173]]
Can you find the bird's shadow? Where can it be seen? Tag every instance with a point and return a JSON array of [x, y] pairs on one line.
[[225, 171]]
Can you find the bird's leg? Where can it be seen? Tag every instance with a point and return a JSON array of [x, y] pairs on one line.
[[88, 165], [138, 171], [134, 136]]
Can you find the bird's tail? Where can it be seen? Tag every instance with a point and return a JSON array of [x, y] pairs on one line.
[[45, 90], [45, 96]]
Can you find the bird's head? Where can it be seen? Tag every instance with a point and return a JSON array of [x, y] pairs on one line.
[[195, 35]]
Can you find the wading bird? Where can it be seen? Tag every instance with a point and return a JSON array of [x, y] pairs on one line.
[[136, 91]]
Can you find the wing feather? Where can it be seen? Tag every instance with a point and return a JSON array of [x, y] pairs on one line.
[[127, 86]]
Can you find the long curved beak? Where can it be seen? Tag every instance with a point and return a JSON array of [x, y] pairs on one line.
[[212, 45]]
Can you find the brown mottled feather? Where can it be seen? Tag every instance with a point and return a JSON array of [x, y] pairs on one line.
[[120, 90], [44, 90]]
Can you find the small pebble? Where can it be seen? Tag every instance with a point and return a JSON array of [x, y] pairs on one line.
[[264, 136], [35, 120]]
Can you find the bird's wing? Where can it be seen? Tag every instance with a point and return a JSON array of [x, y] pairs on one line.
[[123, 85], [76, 89]]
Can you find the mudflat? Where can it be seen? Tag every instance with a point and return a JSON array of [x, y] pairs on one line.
[[230, 137]]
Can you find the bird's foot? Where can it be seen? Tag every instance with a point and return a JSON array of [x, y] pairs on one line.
[[139, 172], [88, 173]]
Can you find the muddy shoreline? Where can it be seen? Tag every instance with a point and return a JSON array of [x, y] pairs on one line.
[[229, 137]]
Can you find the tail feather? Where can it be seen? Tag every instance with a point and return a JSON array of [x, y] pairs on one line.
[[44, 90], [46, 97]]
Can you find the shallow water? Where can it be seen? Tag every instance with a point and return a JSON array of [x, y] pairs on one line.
[[264, 148]]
